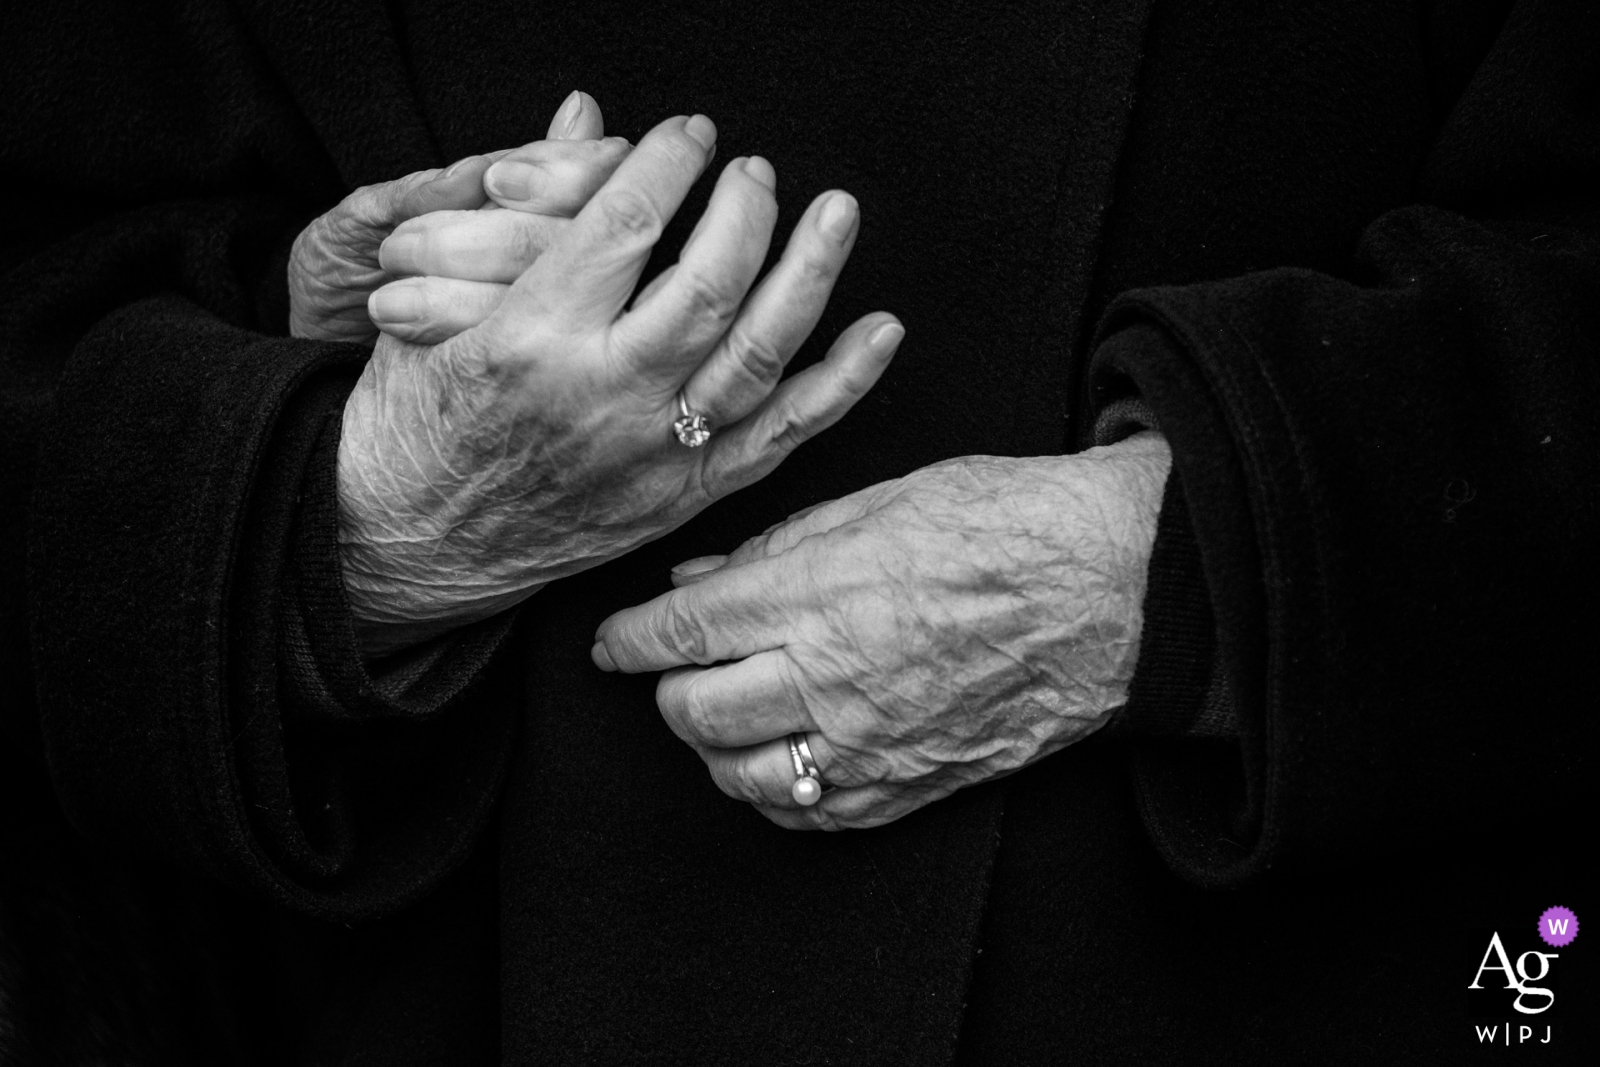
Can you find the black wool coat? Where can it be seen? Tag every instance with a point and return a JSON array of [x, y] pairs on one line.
[[1348, 254]]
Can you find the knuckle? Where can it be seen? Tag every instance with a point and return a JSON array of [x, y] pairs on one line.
[[823, 819], [368, 204], [683, 632], [745, 784], [628, 215], [712, 298], [837, 772], [699, 717], [755, 356], [757, 208], [714, 477], [424, 304], [527, 240], [789, 429], [683, 151], [817, 269]]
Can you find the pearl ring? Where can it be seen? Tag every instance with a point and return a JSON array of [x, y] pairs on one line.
[[807, 788]]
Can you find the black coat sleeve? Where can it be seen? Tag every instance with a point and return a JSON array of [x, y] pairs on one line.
[[1392, 480], [176, 642]]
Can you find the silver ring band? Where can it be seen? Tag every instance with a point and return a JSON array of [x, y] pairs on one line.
[[807, 788], [808, 763], [794, 754]]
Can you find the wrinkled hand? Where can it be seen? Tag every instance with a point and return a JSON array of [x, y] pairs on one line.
[[538, 443], [926, 633], [336, 265]]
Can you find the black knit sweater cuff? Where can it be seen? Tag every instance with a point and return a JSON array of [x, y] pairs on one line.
[[1178, 689]]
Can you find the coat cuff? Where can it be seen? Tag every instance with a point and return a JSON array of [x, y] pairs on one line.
[[359, 776], [175, 471], [1196, 776]]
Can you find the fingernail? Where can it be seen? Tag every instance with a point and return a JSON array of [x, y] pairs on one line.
[[701, 129], [458, 166], [699, 565], [887, 335], [510, 180], [601, 657], [761, 171], [395, 304], [571, 109], [838, 216]]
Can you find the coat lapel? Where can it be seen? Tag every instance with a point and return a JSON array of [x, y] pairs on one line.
[[647, 918], [1104, 44]]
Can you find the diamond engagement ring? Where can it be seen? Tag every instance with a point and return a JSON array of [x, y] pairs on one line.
[[691, 428]]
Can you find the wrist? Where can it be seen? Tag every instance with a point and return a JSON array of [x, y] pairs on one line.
[[1110, 517], [408, 573]]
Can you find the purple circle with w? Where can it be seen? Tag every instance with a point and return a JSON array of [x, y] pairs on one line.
[[1558, 926]]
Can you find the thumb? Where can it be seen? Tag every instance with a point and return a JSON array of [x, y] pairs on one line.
[[459, 187], [578, 119], [690, 571]]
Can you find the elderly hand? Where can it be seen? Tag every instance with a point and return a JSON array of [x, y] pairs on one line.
[[336, 266], [924, 634], [540, 442]]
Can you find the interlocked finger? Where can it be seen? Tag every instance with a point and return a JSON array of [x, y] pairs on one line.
[[588, 276], [480, 246], [431, 310], [458, 187], [554, 177], [334, 263], [747, 363], [377, 208]]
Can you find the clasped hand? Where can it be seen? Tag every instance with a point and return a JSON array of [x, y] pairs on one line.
[[536, 442], [512, 427]]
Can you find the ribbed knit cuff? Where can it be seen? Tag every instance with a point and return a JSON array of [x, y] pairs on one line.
[[1178, 689]]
